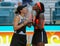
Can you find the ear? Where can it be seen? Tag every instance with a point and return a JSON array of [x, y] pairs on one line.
[[20, 10]]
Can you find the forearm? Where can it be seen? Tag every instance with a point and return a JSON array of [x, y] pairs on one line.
[[19, 26]]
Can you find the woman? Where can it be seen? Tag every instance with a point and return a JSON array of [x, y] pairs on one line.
[[39, 37], [20, 22]]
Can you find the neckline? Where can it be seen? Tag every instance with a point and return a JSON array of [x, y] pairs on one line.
[[21, 16]]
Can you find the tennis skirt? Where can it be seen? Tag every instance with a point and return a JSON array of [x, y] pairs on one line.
[[18, 40], [39, 36]]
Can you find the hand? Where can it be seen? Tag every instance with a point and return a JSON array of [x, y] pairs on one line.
[[29, 18], [25, 22]]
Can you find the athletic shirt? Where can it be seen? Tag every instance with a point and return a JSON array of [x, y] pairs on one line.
[[22, 30]]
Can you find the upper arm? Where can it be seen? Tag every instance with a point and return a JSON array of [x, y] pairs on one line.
[[42, 17], [33, 18], [16, 20]]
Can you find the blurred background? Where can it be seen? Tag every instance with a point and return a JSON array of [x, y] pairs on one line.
[[52, 20], [8, 7]]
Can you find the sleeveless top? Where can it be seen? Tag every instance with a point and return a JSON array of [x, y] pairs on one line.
[[22, 30]]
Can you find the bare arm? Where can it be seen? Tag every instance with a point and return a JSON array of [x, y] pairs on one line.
[[16, 21], [42, 20]]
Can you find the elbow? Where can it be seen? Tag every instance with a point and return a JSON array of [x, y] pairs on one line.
[[15, 28]]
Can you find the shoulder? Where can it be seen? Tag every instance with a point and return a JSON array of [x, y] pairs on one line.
[[17, 17]]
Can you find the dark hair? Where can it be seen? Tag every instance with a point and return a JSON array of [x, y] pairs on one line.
[[40, 11], [17, 11], [20, 8], [42, 8]]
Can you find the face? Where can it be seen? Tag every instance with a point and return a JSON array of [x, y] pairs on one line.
[[35, 7], [25, 10]]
